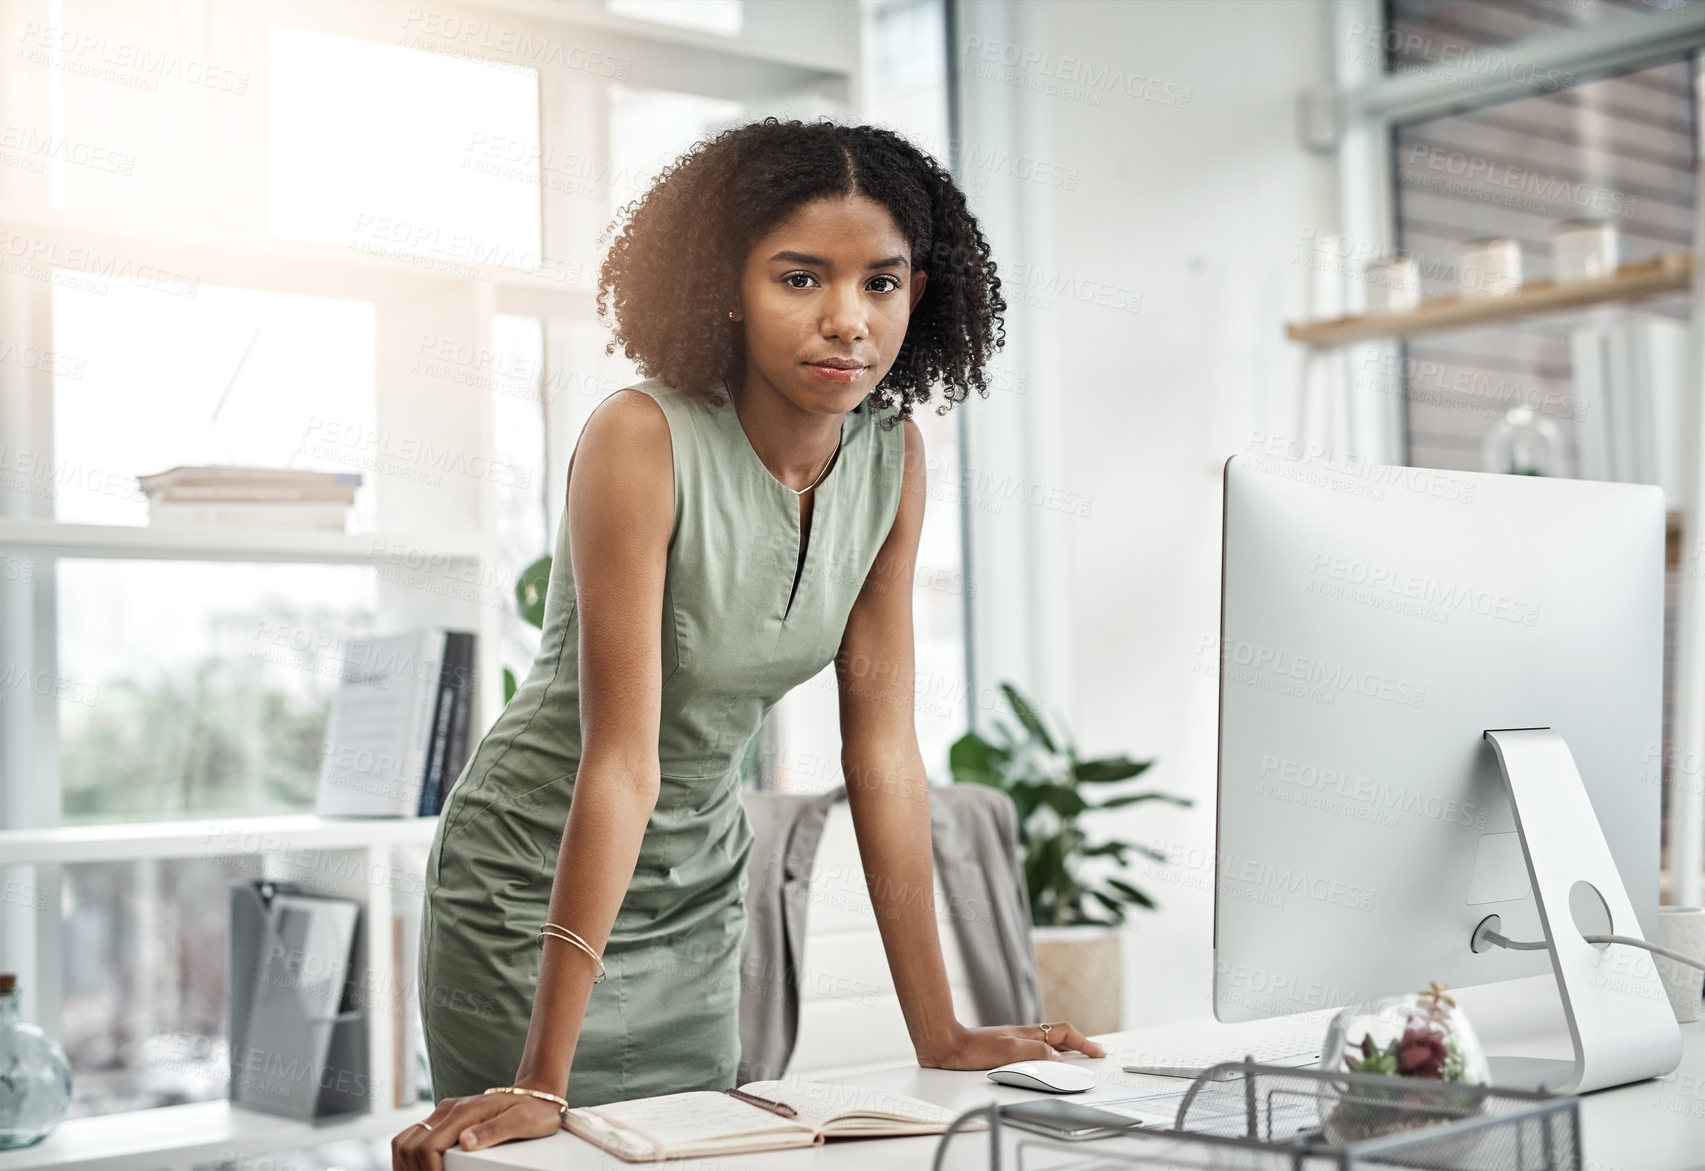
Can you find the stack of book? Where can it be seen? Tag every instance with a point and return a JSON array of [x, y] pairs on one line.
[[399, 732], [274, 497]]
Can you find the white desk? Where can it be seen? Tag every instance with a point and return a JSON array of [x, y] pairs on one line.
[[1657, 1125]]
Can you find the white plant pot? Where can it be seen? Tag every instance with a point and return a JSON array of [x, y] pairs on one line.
[[1082, 976]]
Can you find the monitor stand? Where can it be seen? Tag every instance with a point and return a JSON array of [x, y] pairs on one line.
[[1620, 1021]]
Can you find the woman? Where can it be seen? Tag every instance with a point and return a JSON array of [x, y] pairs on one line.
[[792, 291]]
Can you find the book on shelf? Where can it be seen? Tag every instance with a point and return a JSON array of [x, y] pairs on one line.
[[794, 1113], [391, 746], [226, 483], [293, 498], [449, 749]]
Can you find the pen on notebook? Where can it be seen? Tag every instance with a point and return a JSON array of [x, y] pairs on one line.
[[781, 1108]]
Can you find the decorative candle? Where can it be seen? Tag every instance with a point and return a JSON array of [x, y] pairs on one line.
[[1583, 250], [1394, 284], [1488, 267]]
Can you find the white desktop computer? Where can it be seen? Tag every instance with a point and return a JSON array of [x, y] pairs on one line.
[[1440, 715]]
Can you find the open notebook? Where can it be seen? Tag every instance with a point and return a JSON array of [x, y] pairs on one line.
[[704, 1122]]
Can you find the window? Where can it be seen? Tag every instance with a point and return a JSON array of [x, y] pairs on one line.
[[1620, 149], [518, 388], [146, 379], [394, 150], [144, 985], [191, 683], [650, 128], [1480, 38], [192, 688]]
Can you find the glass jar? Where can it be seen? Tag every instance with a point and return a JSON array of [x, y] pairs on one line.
[[1424, 1050], [35, 1078], [1522, 444]]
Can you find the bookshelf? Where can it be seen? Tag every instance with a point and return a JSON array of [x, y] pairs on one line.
[[365, 859], [1671, 272], [435, 553], [221, 543]]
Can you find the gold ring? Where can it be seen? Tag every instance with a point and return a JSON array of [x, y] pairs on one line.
[[1045, 1029], [426, 1126]]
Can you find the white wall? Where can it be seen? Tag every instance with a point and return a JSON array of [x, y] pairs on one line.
[[1193, 192]]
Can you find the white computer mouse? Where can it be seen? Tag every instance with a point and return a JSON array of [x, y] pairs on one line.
[[1056, 1077]]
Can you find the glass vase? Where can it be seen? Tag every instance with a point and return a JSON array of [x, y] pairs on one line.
[[1422, 1049], [35, 1078]]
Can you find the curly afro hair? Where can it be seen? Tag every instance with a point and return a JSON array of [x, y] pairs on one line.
[[675, 264]]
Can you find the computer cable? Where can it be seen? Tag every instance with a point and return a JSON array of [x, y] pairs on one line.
[[1497, 940]]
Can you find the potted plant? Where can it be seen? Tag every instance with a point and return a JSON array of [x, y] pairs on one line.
[[1075, 918], [530, 600]]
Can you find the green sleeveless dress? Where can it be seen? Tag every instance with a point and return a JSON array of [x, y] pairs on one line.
[[736, 636]]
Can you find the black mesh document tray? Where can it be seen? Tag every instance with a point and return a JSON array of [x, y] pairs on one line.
[[1251, 1117]]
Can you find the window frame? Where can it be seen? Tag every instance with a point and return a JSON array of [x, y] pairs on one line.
[[1368, 104], [779, 52]]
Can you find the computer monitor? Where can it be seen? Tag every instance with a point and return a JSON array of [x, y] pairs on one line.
[[1376, 623]]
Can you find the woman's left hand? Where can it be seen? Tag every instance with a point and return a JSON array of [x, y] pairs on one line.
[[985, 1048]]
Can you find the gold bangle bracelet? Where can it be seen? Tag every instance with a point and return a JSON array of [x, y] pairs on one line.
[[561, 1103], [552, 931]]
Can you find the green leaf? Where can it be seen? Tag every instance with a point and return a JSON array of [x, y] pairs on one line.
[[1132, 893], [1115, 849], [1114, 908], [974, 760], [1043, 872], [1113, 768], [1026, 796], [530, 591], [1135, 798], [1028, 716], [1145, 851], [1066, 802]]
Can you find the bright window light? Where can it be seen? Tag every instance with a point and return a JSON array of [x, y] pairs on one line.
[[231, 376], [650, 128], [713, 16], [395, 150], [198, 687]]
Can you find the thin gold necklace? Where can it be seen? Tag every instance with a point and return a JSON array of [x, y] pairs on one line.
[[821, 474]]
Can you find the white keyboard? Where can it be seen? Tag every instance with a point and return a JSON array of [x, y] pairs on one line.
[[1296, 1051]]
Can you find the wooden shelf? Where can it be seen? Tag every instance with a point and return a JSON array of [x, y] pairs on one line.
[[1672, 272], [228, 542]]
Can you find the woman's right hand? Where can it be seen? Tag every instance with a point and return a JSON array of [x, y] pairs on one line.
[[472, 1124]]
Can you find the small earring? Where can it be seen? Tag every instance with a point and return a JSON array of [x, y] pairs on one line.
[[731, 316]]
